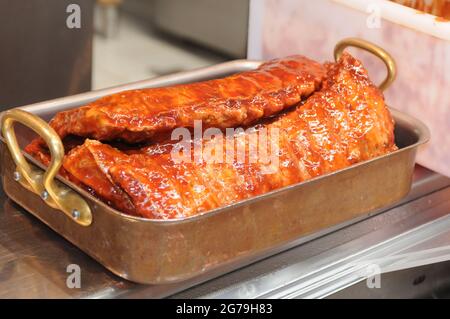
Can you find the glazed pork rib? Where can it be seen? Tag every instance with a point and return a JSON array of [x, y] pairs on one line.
[[346, 122], [237, 100], [89, 165]]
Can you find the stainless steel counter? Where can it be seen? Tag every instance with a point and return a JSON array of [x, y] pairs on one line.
[[415, 232]]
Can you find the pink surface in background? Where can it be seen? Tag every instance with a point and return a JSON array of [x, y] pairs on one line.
[[422, 88]]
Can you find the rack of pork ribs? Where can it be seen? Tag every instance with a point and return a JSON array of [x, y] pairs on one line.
[[328, 117]]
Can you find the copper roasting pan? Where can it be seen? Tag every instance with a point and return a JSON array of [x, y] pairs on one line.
[[158, 252]]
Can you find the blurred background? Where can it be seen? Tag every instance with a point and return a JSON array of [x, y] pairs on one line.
[[44, 56], [157, 37], [119, 41]]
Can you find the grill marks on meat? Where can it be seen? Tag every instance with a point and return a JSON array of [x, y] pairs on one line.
[[238, 100], [344, 123]]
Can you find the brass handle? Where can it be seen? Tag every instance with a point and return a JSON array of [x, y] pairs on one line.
[[53, 192], [372, 48]]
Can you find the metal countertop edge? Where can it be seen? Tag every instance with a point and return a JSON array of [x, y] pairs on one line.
[[426, 188], [335, 269]]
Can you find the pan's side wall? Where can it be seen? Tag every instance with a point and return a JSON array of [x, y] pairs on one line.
[[149, 252]]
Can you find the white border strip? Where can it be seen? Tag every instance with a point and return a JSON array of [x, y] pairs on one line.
[[255, 25], [405, 16]]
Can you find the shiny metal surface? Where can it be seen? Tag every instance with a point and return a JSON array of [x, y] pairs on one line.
[[408, 236], [34, 259], [431, 281], [54, 193]]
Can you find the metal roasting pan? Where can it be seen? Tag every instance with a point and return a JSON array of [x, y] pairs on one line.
[[159, 252]]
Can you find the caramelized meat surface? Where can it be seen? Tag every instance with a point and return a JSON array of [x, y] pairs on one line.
[[345, 122], [90, 163], [241, 99]]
